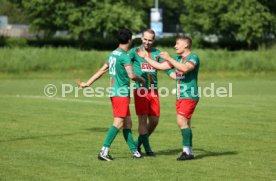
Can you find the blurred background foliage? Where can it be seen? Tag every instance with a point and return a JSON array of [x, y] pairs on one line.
[[246, 24]]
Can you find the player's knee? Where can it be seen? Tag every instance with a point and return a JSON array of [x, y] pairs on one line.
[[118, 123], [153, 120]]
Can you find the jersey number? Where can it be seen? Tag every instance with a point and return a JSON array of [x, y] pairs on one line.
[[112, 63]]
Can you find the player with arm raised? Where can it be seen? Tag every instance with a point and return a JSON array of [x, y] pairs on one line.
[[120, 72], [186, 67], [146, 99]]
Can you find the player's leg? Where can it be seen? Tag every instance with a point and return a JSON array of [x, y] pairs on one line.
[[185, 109], [129, 138], [154, 111], [110, 136], [143, 133], [153, 122], [141, 108], [120, 110]]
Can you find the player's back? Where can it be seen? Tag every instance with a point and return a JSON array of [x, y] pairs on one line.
[[119, 80]]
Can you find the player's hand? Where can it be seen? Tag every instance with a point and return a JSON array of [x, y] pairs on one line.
[[143, 81], [141, 53], [82, 84], [165, 55]]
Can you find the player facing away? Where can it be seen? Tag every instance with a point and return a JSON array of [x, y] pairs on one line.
[[146, 98], [186, 66], [120, 72]]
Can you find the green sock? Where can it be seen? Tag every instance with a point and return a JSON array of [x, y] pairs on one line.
[[111, 134], [187, 137], [129, 139], [139, 141], [146, 144]]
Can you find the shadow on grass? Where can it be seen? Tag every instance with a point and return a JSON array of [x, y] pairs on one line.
[[168, 152], [203, 153], [206, 153], [56, 135]]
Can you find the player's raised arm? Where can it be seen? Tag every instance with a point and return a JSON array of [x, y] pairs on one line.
[[186, 67], [94, 77], [133, 76], [160, 66]]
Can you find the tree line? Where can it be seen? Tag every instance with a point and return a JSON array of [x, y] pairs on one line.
[[248, 21]]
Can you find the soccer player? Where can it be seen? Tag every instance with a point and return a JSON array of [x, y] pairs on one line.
[[146, 98], [120, 71], [186, 66]]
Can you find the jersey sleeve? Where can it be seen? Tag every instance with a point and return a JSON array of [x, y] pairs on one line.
[[194, 60], [127, 60], [106, 61]]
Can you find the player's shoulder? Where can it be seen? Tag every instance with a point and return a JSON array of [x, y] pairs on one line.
[[117, 52], [194, 56]]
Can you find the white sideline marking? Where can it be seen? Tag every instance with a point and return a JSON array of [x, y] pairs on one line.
[[59, 99]]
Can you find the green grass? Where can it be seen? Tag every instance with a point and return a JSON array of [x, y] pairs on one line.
[[22, 60], [59, 138]]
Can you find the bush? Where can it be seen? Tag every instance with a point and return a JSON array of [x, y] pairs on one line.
[[13, 42]]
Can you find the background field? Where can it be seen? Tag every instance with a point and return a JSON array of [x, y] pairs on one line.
[[59, 138]]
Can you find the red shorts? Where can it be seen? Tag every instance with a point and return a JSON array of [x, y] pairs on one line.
[[147, 102], [185, 107], [120, 106]]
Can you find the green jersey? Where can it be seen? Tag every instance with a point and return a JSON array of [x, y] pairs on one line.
[[119, 80], [144, 69], [186, 84]]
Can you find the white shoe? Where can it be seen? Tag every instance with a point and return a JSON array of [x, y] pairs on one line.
[[136, 154]]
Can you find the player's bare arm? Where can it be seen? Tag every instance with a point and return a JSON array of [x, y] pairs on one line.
[[186, 67], [94, 77], [133, 76], [160, 66]]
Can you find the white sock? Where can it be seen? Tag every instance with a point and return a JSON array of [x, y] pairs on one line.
[[191, 150], [187, 150], [105, 150]]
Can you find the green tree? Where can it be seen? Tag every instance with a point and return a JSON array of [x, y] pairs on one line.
[[14, 13], [171, 14], [82, 19], [235, 20]]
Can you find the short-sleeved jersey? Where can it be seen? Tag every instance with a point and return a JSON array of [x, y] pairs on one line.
[[119, 80], [144, 69], [186, 84]]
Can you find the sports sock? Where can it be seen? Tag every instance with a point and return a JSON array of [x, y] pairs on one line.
[[191, 150], [111, 134], [187, 138], [104, 150], [129, 139], [186, 149], [145, 139], [139, 141]]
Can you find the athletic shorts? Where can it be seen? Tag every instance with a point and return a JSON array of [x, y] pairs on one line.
[[147, 102], [185, 107], [120, 106]]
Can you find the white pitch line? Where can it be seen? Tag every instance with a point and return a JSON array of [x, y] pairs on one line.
[[59, 99]]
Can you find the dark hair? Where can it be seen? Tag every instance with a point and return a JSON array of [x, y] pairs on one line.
[[149, 31], [186, 38], [124, 36]]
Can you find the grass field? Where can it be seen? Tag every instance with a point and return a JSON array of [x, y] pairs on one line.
[[59, 138], [22, 60]]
